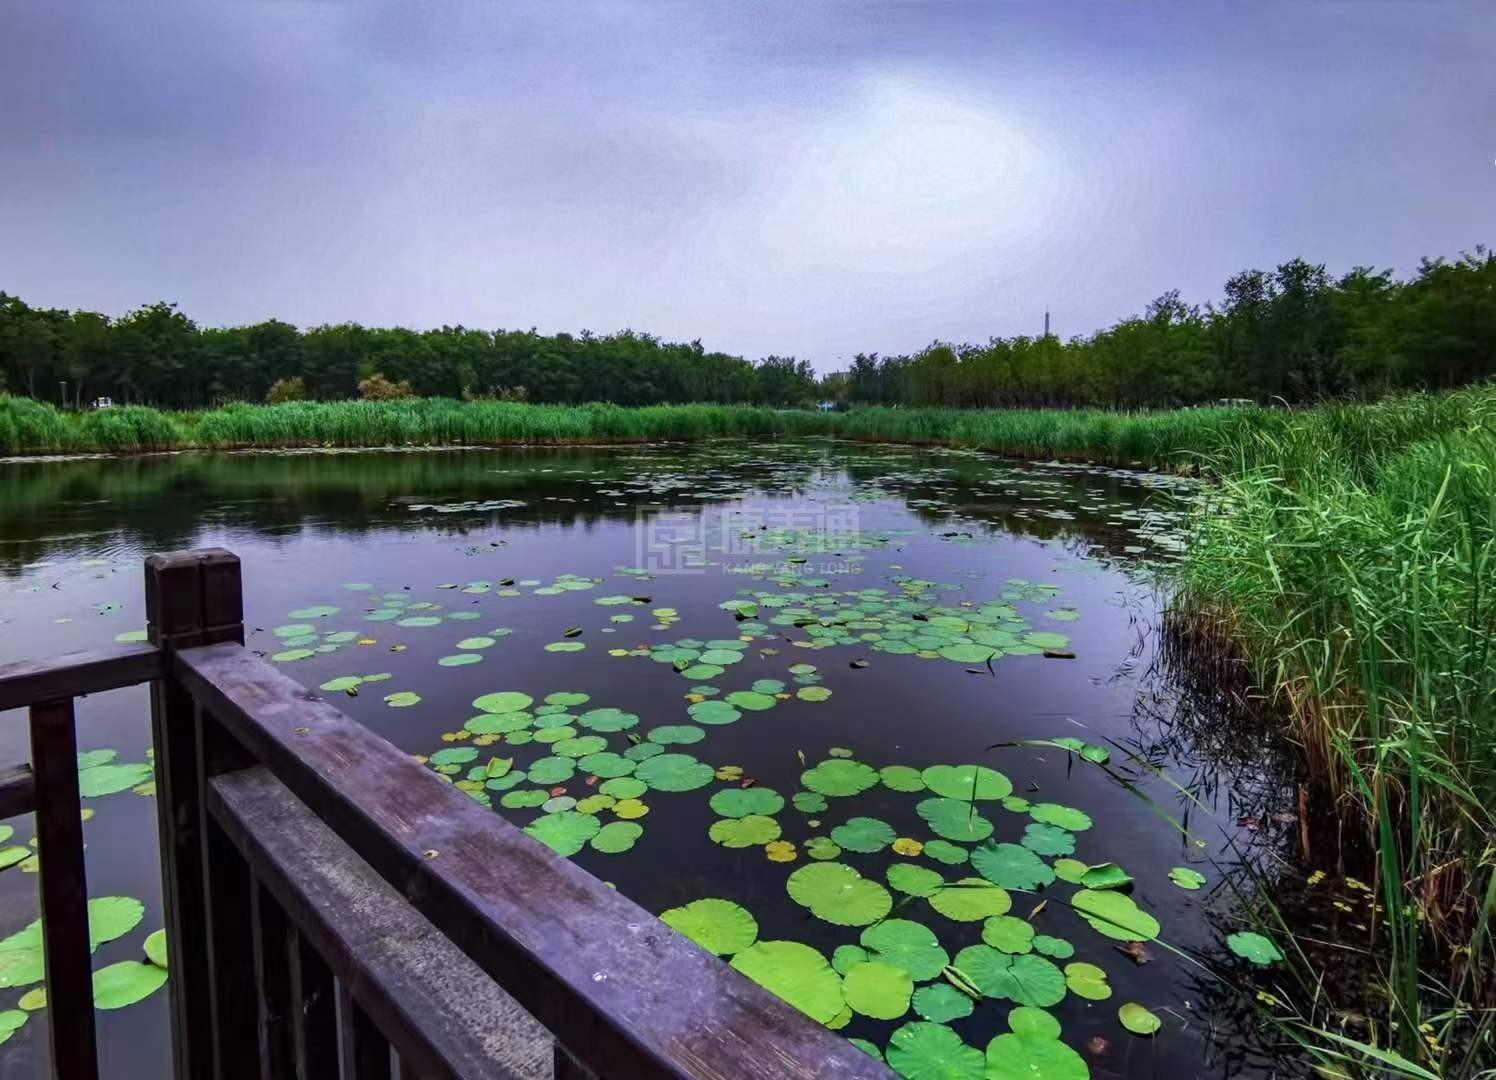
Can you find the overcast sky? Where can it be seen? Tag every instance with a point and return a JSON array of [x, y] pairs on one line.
[[799, 178]]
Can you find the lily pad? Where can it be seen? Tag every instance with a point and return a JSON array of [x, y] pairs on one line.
[[1255, 947], [1087, 981], [749, 831], [954, 820], [839, 777], [718, 926], [924, 1051], [607, 720], [1033, 1022], [1011, 866], [676, 734], [751, 700], [901, 778], [675, 772], [109, 779], [1186, 878], [914, 880], [1048, 840], [1115, 915], [864, 835], [907, 945], [878, 990], [1027, 1057], [971, 900], [943, 851], [1009, 934], [740, 802], [796, 973], [402, 699], [1138, 1020], [839, 894], [564, 832], [1105, 876], [1026, 979], [616, 837], [941, 1003], [503, 701], [125, 983], [1064, 817], [967, 782]]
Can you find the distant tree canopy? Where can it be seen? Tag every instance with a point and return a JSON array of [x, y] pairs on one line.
[[1294, 334]]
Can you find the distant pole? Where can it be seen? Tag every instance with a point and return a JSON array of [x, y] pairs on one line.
[[1046, 323], [64, 387]]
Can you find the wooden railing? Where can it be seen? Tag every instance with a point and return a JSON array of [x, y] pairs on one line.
[[334, 909]]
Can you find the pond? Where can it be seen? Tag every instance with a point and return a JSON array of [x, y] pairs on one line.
[[891, 730]]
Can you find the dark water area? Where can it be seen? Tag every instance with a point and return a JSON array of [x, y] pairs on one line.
[[411, 563]]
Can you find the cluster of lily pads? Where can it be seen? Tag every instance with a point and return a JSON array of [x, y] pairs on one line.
[[22, 959], [911, 621]]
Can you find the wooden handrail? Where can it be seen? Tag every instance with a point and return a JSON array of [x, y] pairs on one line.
[[25, 682], [619, 989]]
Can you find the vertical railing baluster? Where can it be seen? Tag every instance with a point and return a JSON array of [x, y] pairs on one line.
[[366, 1054], [64, 891], [192, 598], [313, 1011], [272, 944]]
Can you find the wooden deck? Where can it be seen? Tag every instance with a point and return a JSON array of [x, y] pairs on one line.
[[335, 909]]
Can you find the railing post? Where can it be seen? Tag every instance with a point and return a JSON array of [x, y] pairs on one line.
[[64, 891], [192, 598]]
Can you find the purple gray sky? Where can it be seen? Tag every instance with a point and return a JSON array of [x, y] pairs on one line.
[[814, 179]]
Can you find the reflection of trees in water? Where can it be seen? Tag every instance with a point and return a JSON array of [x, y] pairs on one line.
[[53, 508]]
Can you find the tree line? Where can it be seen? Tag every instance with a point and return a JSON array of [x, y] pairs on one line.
[[1294, 334]]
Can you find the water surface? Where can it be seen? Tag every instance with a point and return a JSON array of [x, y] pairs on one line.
[[880, 575]]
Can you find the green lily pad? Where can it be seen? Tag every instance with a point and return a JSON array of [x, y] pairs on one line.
[[924, 1051], [523, 800], [713, 713], [111, 917], [564, 698], [625, 787], [11, 1021], [1255, 947], [1115, 915], [846, 957], [901, 778], [960, 781], [942, 1003], [108, 779], [751, 700], [675, 772], [675, 734], [616, 837], [907, 945], [1011, 866], [1009, 934], [552, 770], [1048, 840], [1033, 1023], [1027, 1057], [796, 973], [498, 724], [607, 720], [864, 834], [1058, 948], [88, 759], [943, 851], [839, 777], [1064, 817], [454, 755], [740, 802], [402, 699], [878, 990], [1186, 878], [954, 820], [459, 660], [503, 701], [1087, 981], [342, 684], [564, 832], [971, 900], [809, 802], [839, 894], [582, 747], [718, 926], [1026, 979], [125, 983], [1070, 870], [1105, 876], [814, 693], [914, 880], [155, 948], [1138, 1020], [750, 831], [608, 765]]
